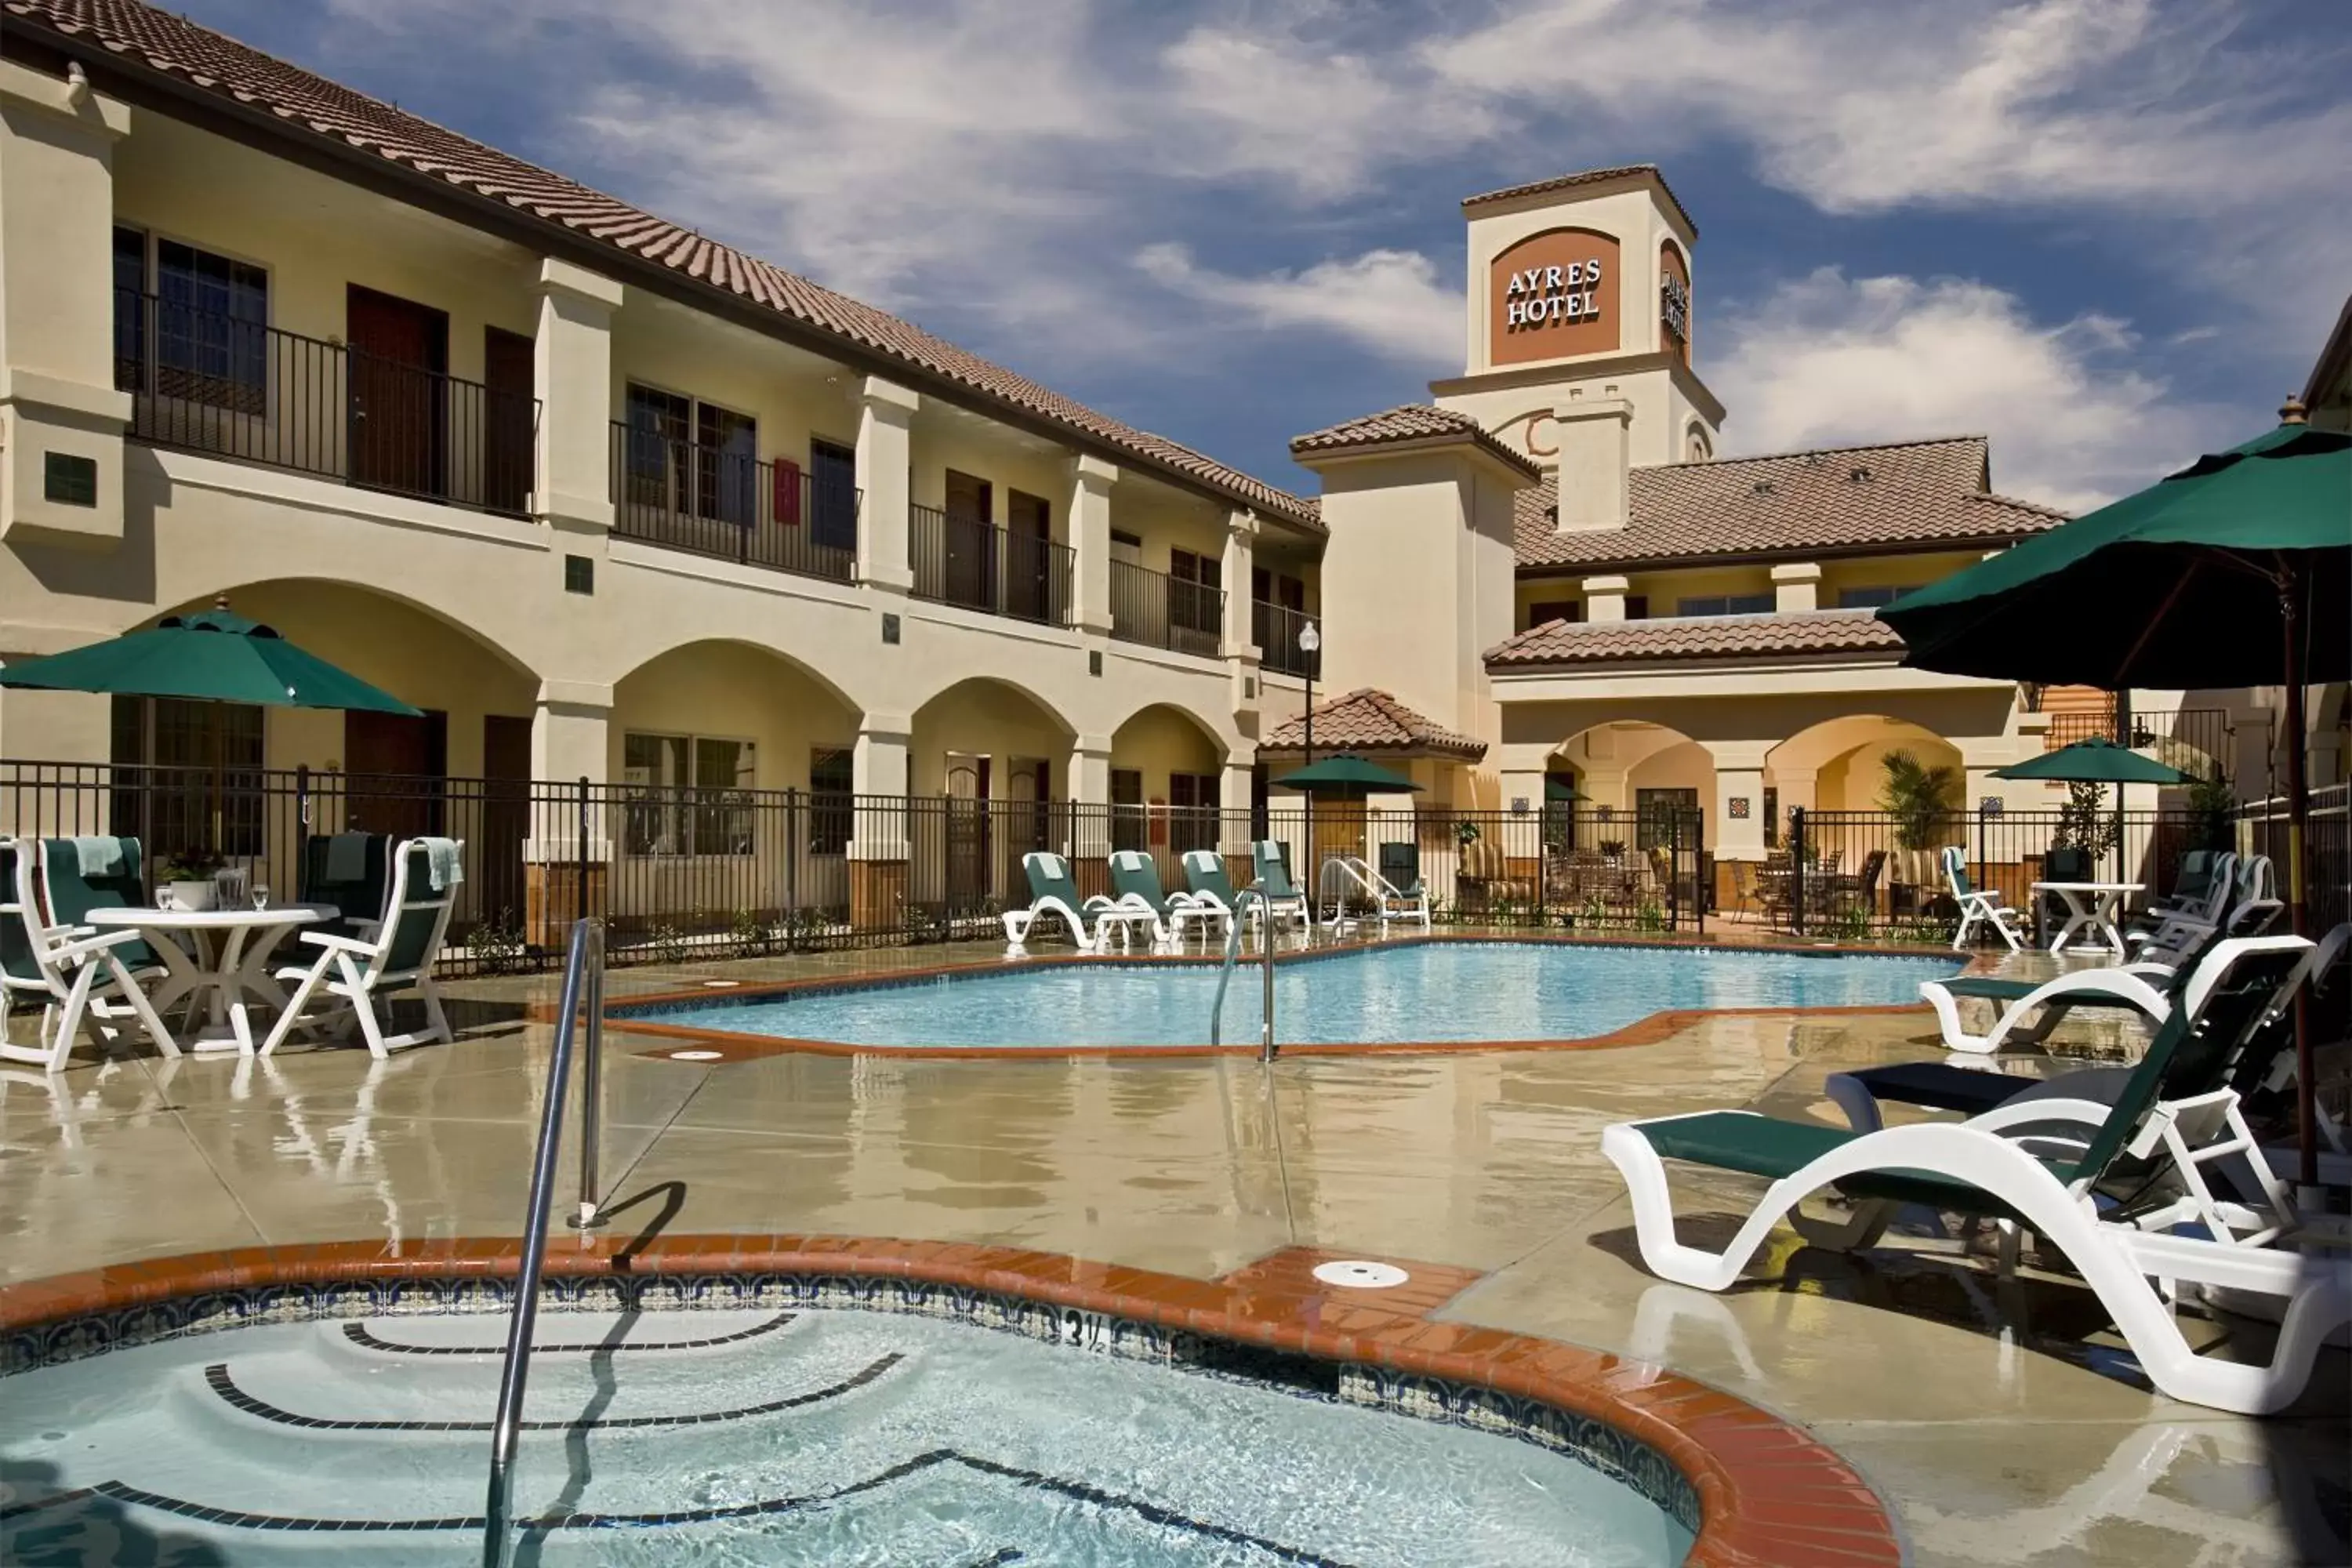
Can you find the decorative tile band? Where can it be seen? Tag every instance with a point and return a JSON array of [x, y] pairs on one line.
[[1757, 1492]]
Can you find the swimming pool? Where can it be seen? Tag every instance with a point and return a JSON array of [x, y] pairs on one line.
[[800, 1435], [1424, 992]]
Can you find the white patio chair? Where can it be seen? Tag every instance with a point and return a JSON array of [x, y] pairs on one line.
[[1977, 906], [361, 974], [84, 980]]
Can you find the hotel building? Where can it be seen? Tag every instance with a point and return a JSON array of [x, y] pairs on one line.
[[610, 500]]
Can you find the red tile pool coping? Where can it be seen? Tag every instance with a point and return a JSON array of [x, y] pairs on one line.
[[1770, 1495], [733, 1046]]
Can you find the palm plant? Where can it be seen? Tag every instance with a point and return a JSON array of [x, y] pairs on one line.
[[1922, 798]]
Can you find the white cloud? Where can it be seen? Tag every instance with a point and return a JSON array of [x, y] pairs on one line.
[[1389, 301], [1829, 358]]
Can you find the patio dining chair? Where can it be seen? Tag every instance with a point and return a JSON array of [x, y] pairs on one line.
[[82, 978], [1977, 906], [359, 974]]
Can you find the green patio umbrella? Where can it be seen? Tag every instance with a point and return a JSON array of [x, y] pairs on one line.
[[2094, 761], [1346, 778], [211, 655], [2236, 571], [1556, 793]]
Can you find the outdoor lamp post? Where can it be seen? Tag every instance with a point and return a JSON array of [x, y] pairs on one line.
[[1309, 642]]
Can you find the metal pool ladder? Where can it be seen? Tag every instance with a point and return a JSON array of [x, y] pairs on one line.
[[1233, 955], [584, 986]]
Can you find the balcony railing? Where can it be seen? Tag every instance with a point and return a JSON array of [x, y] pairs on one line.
[[963, 561], [2192, 739], [204, 381], [1160, 611], [1275, 628], [682, 495]]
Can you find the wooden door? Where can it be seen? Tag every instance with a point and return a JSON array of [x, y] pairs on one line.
[[496, 859], [967, 831], [1028, 557], [970, 541], [395, 773], [509, 432], [398, 395]]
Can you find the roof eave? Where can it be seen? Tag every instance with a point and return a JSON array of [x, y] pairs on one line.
[[1771, 557], [1700, 664], [1524, 474]]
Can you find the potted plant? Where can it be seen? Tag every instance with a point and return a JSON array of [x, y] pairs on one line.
[[1613, 849], [1922, 799], [2086, 833], [187, 876]]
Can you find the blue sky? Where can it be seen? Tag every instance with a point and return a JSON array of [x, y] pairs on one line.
[[2109, 233]]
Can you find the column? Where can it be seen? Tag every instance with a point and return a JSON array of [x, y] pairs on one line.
[[1737, 831], [571, 372], [1237, 639], [1604, 599], [1091, 482], [1234, 789], [569, 850], [885, 465], [1091, 814], [1796, 588], [878, 849], [61, 467]]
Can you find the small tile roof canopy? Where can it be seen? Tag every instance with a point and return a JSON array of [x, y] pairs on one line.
[[1413, 425], [1838, 500], [136, 38], [1819, 633], [1586, 177], [1366, 719]]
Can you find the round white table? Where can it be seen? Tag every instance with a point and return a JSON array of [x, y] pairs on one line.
[[230, 961], [2090, 906]]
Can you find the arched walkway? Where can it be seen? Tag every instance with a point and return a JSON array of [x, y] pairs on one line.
[[990, 739], [1166, 782], [1620, 766], [747, 716], [1839, 764]]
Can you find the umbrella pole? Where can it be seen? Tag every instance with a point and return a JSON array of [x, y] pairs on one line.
[[2306, 1098]]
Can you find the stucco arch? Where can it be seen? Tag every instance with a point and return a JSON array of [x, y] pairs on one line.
[[726, 688], [989, 716], [1222, 745], [1614, 762], [1835, 764], [293, 604]]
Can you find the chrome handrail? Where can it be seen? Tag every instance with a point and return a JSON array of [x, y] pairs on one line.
[[1233, 955], [584, 980]]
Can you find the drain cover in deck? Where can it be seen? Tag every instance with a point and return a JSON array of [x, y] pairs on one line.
[[1358, 1275]]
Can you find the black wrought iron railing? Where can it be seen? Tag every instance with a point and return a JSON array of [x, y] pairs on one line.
[[1275, 628], [2193, 738], [204, 381], [685, 496], [1163, 611], [979, 566]]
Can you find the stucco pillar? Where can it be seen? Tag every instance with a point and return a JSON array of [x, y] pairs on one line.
[[1090, 814], [1595, 436], [61, 419], [1237, 639], [569, 848], [1091, 482], [1604, 599], [877, 833], [1234, 789], [571, 372], [885, 412], [1796, 588]]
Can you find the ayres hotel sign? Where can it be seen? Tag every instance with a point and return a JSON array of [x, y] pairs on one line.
[[1553, 295]]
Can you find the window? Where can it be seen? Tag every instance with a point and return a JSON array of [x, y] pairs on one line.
[[1128, 825], [181, 750], [1191, 592], [833, 496], [1663, 817], [207, 339], [727, 462], [686, 794], [1724, 605], [657, 422], [1637, 607], [1771, 817], [1870, 598], [1543, 611], [1191, 812], [832, 801]]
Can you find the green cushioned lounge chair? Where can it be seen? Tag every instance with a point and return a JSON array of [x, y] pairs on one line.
[[1053, 891], [1135, 878], [2007, 1166], [1273, 883]]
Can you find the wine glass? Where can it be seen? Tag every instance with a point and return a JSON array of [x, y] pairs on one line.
[[260, 897]]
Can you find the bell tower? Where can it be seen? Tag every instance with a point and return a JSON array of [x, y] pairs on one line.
[[1579, 327]]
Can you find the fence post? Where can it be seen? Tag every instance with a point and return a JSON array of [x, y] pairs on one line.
[[796, 838], [1796, 869], [580, 866], [1983, 878], [1702, 874]]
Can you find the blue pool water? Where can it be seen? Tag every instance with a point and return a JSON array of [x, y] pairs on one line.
[[844, 1439], [1438, 991]]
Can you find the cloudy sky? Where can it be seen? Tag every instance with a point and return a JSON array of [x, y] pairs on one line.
[[2110, 233]]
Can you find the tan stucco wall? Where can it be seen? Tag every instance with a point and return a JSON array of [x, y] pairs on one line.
[[733, 691], [1158, 741], [989, 719]]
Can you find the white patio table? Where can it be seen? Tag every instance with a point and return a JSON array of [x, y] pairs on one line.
[[230, 962], [2092, 906]]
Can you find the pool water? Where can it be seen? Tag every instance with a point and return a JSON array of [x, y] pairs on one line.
[[817, 1436], [1435, 991]]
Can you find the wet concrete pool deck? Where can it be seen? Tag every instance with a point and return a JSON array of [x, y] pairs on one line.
[[1992, 1418]]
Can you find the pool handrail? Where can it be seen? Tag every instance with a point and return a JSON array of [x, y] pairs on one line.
[[583, 981], [1233, 955]]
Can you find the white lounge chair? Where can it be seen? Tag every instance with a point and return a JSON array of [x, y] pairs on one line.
[[1206, 879], [1273, 883], [84, 980], [1977, 906], [360, 974], [1135, 880], [1987, 1167], [1090, 920]]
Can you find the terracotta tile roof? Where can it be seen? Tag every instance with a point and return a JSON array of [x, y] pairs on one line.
[[1413, 421], [1696, 637], [1584, 177], [312, 107], [1835, 498], [1369, 721]]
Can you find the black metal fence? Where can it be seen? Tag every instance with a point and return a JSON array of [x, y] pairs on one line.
[[2327, 850], [681, 873], [1275, 628], [967, 561], [683, 495], [205, 380], [1160, 610]]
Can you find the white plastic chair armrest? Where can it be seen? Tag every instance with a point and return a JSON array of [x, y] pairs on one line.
[[81, 947], [1999, 1119], [330, 940]]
